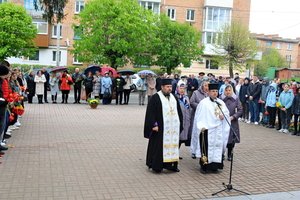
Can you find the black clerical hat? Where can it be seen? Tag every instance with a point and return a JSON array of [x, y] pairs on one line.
[[166, 81], [3, 70], [213, 86]]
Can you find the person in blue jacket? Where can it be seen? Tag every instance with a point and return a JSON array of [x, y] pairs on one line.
[[286, 100]]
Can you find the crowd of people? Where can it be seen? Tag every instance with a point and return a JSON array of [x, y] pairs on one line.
[[203, 112], [12, 90]]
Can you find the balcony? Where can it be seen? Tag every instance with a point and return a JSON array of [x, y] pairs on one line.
[[218, 3], [41, 40]]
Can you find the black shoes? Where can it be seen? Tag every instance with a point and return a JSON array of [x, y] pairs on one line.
[[2, 148], [193, 156]]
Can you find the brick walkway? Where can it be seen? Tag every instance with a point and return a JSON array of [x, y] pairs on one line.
[[73, 152]]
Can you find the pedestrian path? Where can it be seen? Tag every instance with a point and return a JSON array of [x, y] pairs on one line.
[[294, 195], [69, 151]]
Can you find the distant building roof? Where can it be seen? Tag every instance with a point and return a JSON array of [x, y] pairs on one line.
[[275, 38]]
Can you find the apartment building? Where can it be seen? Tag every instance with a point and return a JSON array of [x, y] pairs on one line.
[[49, 35], [288, 48], [207, 16]]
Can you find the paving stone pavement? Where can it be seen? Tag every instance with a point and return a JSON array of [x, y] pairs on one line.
[[74, 152]]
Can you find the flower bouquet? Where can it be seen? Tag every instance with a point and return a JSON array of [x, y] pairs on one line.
[[278, 105], [93, 102]]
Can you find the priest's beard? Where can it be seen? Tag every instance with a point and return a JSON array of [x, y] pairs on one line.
[[166, 93]]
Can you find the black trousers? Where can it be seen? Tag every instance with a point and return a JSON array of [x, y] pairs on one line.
[[45, 92], [119, 97], [65, 96], [296, 118], [245, 106], [54, 97], [126, 96], [30, 97], [88, 92], [272, 114], [279, 118], [77, 93], [40, 98]]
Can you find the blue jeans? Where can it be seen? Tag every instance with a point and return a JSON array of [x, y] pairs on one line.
[[3, 119], [265, 118], [254, 110]]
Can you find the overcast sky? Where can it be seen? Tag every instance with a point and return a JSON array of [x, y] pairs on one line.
[[276, 17]]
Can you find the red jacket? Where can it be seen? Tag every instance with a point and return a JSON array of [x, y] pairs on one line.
[[66, 82], [5, 89]]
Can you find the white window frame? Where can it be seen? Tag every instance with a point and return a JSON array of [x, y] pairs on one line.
[[289, 46], [288, 58], [54, 56], [146, 4], [54, 33], [171, 11], [75, 61], [37, 24], [80, 3], [189, 15], [278, 45]]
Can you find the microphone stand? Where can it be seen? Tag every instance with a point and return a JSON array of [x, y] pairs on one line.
[[229, 186]]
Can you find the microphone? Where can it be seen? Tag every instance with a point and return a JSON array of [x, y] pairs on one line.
[[218, 103]]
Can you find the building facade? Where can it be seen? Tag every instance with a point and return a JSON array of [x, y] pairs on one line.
[[288, 48], [207, 16]]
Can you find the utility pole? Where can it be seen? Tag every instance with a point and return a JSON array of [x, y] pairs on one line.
[[57, 43]]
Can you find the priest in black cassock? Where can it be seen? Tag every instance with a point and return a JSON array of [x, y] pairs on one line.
[[213, 128], [163, 124]]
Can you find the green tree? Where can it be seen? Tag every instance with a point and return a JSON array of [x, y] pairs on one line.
[[235, 45], [115, 32], [177, 44], [53, 9], [270, 58], [16, 32]]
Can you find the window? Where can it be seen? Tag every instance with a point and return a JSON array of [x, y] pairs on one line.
[[289, 46], [288, 58], [54, 31], [79, 6], [190, 15], [172, 13], [77, 32], [278, 45], [211, 64], [151, 6], [34, 57], [41, 26], [28, 4], [268, 43], [54, 56], [215, 19], [76, 61]]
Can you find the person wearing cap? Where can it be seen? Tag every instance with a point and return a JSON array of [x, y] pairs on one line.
[[200, 78], [213, 128], [163, 125]]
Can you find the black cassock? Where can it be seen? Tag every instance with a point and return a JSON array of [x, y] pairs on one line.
[[154, 116]]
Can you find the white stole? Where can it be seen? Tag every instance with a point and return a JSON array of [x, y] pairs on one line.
[[207, 117], [171, 128]]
